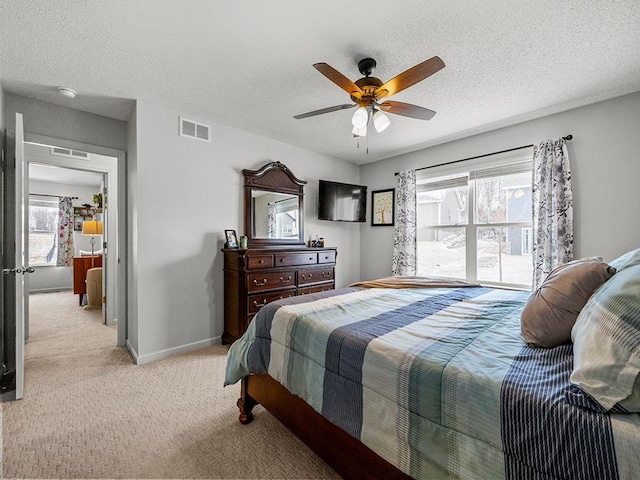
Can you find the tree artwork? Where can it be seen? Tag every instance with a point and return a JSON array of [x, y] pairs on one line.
[[383, 207]]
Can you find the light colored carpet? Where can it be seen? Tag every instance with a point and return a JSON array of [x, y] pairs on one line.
[[89, 412]]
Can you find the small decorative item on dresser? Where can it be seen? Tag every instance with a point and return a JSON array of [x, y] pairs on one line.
[[243, 242], [232, 239]]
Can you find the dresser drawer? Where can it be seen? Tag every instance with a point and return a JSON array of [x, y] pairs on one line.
[[327, 257], [286, 259], [256, 302], [259, 261], [259, 282], [316, 288], [314, 275]]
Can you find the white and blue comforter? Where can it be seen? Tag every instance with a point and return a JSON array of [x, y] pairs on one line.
[[439, 382]]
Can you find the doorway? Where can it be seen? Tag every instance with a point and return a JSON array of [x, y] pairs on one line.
[[68, 193], [54, 158]]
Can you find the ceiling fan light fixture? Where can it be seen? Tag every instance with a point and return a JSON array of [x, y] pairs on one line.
[[359, 132], [360, 118], [380, 121]]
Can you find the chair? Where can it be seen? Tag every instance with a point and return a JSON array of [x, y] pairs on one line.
[[94, 288]]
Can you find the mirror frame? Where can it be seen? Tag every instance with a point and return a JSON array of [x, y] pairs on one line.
[[272, 177]]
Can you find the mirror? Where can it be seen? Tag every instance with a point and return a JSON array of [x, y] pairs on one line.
[[273, 206], [275, 215]]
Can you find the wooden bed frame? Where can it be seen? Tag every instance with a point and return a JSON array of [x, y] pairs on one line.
[[347, 456]]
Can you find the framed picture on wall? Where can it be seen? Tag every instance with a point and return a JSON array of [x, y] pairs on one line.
[[383, 204], [232, 238]]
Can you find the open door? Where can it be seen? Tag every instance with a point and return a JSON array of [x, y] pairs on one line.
[[15, 278]]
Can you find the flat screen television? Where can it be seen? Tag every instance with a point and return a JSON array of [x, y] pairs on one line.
[[341, 202]]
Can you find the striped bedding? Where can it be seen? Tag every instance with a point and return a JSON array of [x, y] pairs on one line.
[[437, 381]]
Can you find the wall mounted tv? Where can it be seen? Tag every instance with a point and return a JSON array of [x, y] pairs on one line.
[[341, 202]]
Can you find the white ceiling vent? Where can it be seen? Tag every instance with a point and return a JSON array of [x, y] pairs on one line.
[[65, 152], [193, 129]]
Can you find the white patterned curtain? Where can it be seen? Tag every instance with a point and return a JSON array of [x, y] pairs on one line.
[[65, 232], [552, 208], [404, 243], [271, 220]]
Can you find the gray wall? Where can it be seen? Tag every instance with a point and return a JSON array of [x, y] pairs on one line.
[[183, 194], [55, 121], [605, 168]]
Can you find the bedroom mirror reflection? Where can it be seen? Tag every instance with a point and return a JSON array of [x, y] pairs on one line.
[[275, 215]]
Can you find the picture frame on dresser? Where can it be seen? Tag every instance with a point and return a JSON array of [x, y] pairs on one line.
[[232, 239]]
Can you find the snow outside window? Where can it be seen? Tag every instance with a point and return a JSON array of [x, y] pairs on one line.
[[476, 225]]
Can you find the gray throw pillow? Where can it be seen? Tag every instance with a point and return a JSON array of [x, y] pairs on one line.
[[551, 311]]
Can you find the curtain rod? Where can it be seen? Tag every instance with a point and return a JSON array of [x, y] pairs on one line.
[[48, 195], [278, 201], [567, 138]]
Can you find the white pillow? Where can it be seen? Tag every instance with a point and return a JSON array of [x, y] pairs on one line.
[[606, 343]]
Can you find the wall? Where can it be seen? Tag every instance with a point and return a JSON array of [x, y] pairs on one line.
[[48, 278], [605, 170], [2, 102], [55, 121], [183, 194]]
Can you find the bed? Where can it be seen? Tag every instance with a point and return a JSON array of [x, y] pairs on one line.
[[428, 380]]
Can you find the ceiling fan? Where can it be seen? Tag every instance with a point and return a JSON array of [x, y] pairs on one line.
[[368, 93]]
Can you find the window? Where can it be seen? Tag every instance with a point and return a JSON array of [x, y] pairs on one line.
[[477, 225], [43, 228]]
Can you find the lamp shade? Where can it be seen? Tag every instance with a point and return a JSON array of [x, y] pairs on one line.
[[359, 132], [360, 117], [92, 228], [380, 121]]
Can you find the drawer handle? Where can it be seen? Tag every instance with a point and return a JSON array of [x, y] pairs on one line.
[[307, 277], [260, 305], [261, 261], [285, 280], [282, 260], [310, 258], [260, 284], [326, 274]]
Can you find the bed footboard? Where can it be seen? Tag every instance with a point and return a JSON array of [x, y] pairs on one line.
[[345, 454]]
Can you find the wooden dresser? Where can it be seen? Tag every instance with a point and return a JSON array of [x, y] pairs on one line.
[[80, 267], [254, 277]]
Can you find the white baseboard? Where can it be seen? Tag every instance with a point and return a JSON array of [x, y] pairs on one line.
[[170, 352]]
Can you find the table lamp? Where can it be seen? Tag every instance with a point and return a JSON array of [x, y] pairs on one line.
[[92, 228]]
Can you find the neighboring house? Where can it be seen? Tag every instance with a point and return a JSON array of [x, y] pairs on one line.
[[519, 208], [440, 207]]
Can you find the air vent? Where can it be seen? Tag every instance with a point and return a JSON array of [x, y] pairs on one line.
[[65, 152], [193, 129]]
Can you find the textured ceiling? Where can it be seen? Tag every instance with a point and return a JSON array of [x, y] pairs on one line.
[[249, 64]]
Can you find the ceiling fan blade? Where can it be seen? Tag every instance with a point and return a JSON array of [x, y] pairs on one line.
[[410, 77], [339, 79], [407, 110], [324, 110]]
